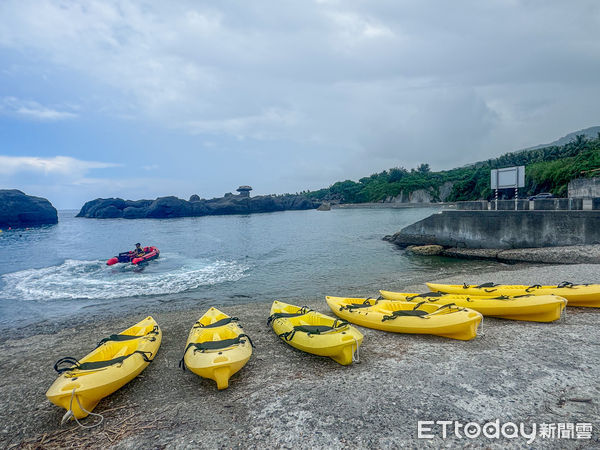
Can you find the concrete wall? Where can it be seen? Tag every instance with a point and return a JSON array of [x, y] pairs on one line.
[[509, 205], [576, 203], [503, 229], [559, 204], [477, 205], [549, 204], [584, 188], [544, 204]]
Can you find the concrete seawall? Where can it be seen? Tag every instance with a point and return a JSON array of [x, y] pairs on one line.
[[503, 229], [391, 205]]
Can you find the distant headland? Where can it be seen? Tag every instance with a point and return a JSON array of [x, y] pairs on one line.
[[171, 207]]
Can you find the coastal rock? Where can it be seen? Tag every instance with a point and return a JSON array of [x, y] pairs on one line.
[[402, 197], [199, 209], [111, 212], [575, 254], [420, 196], [266, 203], [228, 205], [425, 250], [297, 202], [168, 207], [194, 198], [102, 208], [134, 213], [20, 210], [445, 190], [171, 207], [324, 207]]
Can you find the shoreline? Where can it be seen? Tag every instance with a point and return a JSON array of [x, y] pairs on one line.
[[135, 306], [516, 371], [574, 254]]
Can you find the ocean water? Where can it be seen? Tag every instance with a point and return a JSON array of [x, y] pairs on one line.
[[58, 273]]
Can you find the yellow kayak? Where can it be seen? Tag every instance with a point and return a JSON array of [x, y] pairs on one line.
[[116, 361], [216, 347], [406, 317], [531, 308], [576, 294], [315, 333]]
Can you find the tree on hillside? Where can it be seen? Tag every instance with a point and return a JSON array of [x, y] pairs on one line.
[[396, 174], [423, 168], [580, 140], [549, 169]]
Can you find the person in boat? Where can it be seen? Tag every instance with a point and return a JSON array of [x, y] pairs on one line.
[[138, 251]]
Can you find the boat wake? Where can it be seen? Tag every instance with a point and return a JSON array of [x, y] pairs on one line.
[[76, 279]]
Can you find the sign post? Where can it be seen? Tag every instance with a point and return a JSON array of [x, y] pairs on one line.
[[496, 199], [507, 178]]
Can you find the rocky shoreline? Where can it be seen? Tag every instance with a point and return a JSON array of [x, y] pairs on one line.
[[516, 371], [575, 254], [172, 207]]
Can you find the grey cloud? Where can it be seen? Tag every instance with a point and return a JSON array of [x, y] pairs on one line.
[[353, 87]]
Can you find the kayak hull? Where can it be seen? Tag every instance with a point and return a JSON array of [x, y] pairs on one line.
[[219, 364], [578, 295], [85, 388], [532, 308], [454, 323], [340, 344]]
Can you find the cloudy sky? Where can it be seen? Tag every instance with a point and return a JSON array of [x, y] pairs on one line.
[[142, 99]]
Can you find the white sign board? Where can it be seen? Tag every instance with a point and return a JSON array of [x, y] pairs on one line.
[[509, 177]]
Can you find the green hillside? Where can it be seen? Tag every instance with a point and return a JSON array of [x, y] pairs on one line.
[[548, 169]]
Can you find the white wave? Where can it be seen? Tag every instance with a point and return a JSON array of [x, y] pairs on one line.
[[75, 279]]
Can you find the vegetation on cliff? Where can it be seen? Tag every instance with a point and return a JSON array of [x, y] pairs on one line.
[[548, 169]]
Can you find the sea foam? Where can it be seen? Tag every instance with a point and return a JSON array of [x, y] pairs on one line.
[[75, 279]]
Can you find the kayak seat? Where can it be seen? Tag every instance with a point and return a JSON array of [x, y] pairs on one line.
[[218, 323], [217, 345], [282, 315], [314, 329], [94, 365], [127, 337]]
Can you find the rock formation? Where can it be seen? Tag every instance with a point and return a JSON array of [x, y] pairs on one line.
[[425, 250], [20, 210], [169, 207], [420, 196]]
